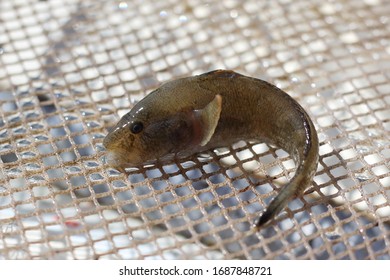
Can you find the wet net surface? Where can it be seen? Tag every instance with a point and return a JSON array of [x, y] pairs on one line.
[[70, 69]]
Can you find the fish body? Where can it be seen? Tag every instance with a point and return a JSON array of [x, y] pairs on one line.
[[216, 109]]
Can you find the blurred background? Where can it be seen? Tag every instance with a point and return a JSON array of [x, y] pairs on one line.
[[70, 69]]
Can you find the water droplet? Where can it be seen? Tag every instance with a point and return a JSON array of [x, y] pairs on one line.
[[294, 80], [59, 95], [93, 124], [363, 150], [36, 126], [57, 59], [183, 18], [41, 138], [70, 118], [163, 13], [362, 178], [379, 143], [98, 136], [332, 235], [234, 14], [103, 109], [81, 102], [123, 5], [86, 113], [113, 172]]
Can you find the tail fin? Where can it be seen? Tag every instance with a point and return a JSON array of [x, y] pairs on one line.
[[278, 203], [296, 186]]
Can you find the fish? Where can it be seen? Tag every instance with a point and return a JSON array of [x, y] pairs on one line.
[[192, 115]]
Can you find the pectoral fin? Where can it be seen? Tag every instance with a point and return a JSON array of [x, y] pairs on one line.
[[209, 117]]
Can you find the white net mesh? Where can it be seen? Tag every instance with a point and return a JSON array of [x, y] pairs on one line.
[[70, 69]]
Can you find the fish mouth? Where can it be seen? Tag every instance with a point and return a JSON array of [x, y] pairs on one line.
[[120, 160]]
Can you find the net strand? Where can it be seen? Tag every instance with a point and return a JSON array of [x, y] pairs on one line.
[[69, 71]]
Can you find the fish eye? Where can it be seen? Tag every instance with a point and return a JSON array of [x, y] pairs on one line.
[[136, 127]]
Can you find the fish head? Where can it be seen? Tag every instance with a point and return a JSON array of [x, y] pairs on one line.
[[144, 138], [167, 123]]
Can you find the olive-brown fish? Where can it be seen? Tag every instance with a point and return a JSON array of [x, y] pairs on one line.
[[216, 109]]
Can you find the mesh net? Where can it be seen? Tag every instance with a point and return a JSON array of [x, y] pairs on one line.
[[70, 69]]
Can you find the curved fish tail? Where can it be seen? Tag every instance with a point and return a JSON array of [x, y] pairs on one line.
[[278, 203], [301, 180]]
